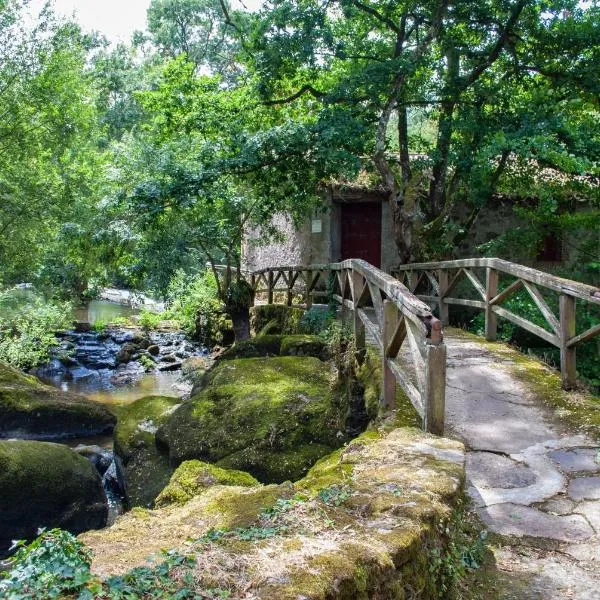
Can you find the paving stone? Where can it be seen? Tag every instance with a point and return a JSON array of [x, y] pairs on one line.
[[584, 488], [572, 460], [489, 470], [512, 519], [590, 510], [559, 505]]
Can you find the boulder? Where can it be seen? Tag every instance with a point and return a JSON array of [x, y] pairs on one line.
[[276, 345], [153, 350], [275, 319], [193, 477], [272, 418], [47, 485], [31, 410], [147, 468]]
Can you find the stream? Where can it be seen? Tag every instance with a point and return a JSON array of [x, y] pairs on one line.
[[115, 366]]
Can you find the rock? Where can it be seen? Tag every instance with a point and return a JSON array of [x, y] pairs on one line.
[[141, 341], [175, 366], [47, 485], [100, 457], [193, 477], [194, 371], [584, 488], [153, 350], [81, 327], [272, 418], [126, 353], [147, 468], [276, 318], [276, 345], [169, 358], [385, 498], [31, 410]]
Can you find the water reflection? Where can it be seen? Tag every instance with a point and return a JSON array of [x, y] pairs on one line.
[[103, 311]]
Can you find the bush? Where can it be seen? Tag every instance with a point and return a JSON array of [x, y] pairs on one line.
[[28, 327], [314, 321], [194, 303], [149, 320]]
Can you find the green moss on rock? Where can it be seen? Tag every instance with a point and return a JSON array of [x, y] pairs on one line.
[[31, 410], [303, 345], [276, 319], [272, 418], [47, 485], [277, 345], [192, 477]]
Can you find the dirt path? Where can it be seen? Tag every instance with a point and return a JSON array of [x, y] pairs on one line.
[[535, 483]]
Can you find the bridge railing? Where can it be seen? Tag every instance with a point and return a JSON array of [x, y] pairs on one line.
[[438, 283], [403, 327]]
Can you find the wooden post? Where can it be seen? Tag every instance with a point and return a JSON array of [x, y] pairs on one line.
[[568, 368], [270, 288], [390, 322], [290, 287], [443, 285], [308, 293], [434, 394], [253, 285], [491, 291]]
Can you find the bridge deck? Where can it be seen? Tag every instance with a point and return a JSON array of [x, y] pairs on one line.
[[527, 473]]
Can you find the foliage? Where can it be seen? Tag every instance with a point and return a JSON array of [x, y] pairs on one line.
[[149, 320], [27, 327], [335, 495], [57, 565], [193, 301], [315, 321], [53, 565]]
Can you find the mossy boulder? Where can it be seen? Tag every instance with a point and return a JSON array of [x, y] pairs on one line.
[[193, 477], [30, 409], [43, 484], [368, 521], [277, 345], [272, 418], [147, 467], [272, 319]]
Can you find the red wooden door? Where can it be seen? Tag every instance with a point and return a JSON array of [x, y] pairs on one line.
[[361, 231]]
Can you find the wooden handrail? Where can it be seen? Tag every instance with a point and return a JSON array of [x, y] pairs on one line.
[[561, 331], [402, 326]]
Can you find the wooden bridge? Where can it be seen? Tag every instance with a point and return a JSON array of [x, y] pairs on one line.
[[395, 312]]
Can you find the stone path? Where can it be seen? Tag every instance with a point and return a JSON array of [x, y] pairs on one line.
[[529, 477]]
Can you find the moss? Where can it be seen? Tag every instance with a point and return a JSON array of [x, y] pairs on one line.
[[303, 345], [138, 421], [147, 468], [192, 477], [279, 319], [31, 410], [47, 485], [580, 409], [267, 345], [370, 376], [270, 418]]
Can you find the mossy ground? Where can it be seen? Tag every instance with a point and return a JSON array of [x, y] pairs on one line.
[[361, 524], [275, 319], [277, 345], [578, 409]]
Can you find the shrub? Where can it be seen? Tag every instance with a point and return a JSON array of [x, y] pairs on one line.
[[28, 327], [149, 320]]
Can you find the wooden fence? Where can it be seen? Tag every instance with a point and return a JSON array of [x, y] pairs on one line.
[[437, 283], [403, 327]]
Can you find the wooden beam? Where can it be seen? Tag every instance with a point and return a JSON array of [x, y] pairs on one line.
[[389, 325], [585, 336], [568, 368], [540, 302], [465, 302], [475, 281], [491, 291], [507, 291], [406, 384], [528, 325]]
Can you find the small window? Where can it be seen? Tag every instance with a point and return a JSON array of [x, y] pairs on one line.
[[551, 248]]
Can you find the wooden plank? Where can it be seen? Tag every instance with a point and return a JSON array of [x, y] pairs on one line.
[[395, 342], [343, 301], [371, 328], [507, 291], [376, 301], [465, 302], [411, 391], [540, 302], [528, 325], [443, 292], [454, 281], [585, 336], [390, 323], [433, 281], [475, 281]]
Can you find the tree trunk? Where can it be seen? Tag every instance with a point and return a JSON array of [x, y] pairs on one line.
[[241, 324]]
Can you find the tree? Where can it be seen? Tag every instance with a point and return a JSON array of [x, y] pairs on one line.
[[197, 173], [49, 165], [508, 84]]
